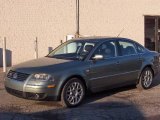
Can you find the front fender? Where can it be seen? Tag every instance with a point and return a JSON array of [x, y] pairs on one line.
[[63, 78]]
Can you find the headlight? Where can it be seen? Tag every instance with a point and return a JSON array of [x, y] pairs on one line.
[[42, 77]]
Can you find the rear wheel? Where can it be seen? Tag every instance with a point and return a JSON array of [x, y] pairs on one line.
[[146, 79], [73, 93]]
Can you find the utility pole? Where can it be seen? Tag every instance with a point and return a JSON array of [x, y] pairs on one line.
[[36, 48], [77, 19]]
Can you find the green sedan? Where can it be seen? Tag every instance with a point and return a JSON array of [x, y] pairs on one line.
[[84, 64]]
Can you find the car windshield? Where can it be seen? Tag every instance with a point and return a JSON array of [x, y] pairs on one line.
[[76, 50]]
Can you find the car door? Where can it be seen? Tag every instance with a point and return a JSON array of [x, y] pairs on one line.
[[102, 71], [129, 62]]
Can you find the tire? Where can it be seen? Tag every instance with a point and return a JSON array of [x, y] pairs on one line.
[[145, 79], [73, 93]]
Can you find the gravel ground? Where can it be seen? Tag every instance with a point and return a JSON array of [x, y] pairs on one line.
[[122, 103]]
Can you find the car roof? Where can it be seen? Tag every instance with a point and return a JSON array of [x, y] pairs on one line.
[[98, 38]]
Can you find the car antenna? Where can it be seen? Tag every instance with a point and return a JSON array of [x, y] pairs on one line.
[[120, 32]]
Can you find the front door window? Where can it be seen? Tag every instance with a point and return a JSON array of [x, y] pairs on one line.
[[107, 49]]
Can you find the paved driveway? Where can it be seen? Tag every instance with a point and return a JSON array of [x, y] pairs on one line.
[[123, 103]]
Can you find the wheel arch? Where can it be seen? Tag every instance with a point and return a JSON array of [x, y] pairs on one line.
[[68, 78], [146, 66]]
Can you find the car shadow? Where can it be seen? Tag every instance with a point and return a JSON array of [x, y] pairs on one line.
[[94, 111], [91, 97]]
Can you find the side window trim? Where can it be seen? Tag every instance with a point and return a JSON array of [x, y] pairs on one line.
[[119, 53], [135, 47]]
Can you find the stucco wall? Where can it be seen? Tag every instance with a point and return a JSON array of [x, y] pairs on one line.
[[110, 17], [21, 21]]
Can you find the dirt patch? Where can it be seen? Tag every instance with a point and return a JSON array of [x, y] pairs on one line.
[[10, 108]]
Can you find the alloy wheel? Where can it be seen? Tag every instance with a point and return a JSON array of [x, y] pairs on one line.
[[147, 78], [74, 93]]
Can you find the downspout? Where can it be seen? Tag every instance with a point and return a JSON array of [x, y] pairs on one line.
[[4, 55], [77, 19]]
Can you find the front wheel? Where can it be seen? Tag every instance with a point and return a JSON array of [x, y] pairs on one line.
[[73, 93], [146, 79]]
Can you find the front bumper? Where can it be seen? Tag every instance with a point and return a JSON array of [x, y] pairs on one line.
[[28, 91], [28, 95]]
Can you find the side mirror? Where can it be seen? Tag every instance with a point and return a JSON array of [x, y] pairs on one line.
[[98, 57]]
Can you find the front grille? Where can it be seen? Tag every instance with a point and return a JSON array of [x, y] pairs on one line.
[[14, 92], [34, 95], [17, 75]]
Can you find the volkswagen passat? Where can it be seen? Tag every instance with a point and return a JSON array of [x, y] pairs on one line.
[[81, 65]]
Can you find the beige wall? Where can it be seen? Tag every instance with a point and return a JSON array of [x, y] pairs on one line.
[[21, 21], [109, 17]]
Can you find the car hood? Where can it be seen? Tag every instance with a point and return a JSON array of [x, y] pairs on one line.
[[41, 65]]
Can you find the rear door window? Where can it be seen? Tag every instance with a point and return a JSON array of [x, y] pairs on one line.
[[126, 48], [140, 49]]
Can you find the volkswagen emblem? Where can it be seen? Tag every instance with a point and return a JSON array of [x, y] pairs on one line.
[[15, 75]]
